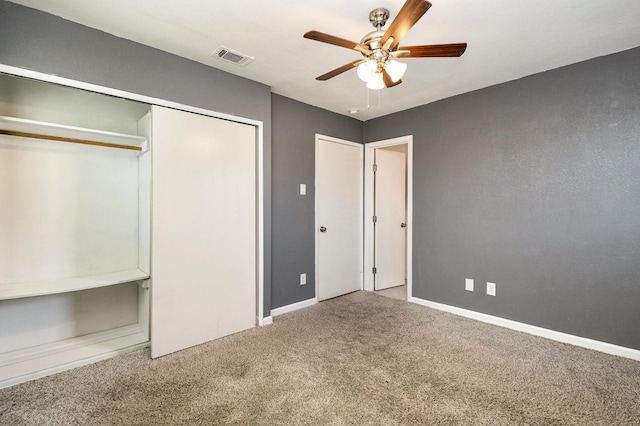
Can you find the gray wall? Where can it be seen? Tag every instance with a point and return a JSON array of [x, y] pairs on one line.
[[42, 42], [294, 127], [534, 185]]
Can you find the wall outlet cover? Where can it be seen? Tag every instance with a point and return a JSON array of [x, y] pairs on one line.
[[468, 284], [303, 279], [491, 289]]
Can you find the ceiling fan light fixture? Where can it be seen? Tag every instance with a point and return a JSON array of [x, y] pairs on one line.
[[395, 69], [376, 83], [367, 70], [379, 68]]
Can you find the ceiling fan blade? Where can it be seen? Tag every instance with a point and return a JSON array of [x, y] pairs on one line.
[[410, 13], [386, 78], [434, 50], [336, 41], [340, 70]]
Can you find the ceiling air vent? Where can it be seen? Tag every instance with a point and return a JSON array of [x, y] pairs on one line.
[[232, 56]]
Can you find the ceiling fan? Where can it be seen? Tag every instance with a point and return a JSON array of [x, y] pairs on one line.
[[379, 68]]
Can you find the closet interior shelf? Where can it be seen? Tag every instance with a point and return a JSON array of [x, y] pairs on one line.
[[19, 127], [54, 286]]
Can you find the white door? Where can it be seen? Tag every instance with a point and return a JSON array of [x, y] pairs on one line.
[[203, 229], [390, 212], [338, 217]]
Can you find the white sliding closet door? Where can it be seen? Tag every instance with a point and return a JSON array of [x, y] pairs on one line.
[[203, 229]]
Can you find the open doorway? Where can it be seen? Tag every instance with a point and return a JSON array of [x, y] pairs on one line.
[[388, 213]]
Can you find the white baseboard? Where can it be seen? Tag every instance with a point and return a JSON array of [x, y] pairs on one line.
[[265, 321], [536, 331], [293, 307]]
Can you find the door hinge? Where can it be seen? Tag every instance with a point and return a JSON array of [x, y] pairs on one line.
[[374, 270], [375, 219], [375, 168]]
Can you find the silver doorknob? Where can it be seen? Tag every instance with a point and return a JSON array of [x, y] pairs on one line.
[[323, 229], [403, 225]]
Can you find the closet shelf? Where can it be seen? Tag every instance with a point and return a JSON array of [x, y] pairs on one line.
[[58, 132], [41, 288]]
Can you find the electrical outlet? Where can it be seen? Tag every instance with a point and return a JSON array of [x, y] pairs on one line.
[[303, 279], [468, 284], [491, 289], [303, 189]]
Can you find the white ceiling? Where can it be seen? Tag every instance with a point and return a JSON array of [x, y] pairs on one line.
[[507, 39]]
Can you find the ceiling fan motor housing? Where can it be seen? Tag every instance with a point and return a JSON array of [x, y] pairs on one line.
[[373, 39], [378, 18]]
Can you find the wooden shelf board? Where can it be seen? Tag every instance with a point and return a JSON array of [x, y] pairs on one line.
[[45, 287]]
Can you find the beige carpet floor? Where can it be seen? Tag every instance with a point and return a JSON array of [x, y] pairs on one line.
[[361, 359]]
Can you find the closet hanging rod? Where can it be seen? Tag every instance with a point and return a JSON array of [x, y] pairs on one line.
[[71, 140]]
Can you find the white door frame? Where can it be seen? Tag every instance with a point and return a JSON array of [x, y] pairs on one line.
[[369, 209], [316, 222], [260, 319]]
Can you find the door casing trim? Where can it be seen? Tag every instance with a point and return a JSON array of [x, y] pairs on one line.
[[368, 209]]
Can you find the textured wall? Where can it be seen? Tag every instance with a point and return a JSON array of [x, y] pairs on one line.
[[293, 225], [42, 42], [533, 185]]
